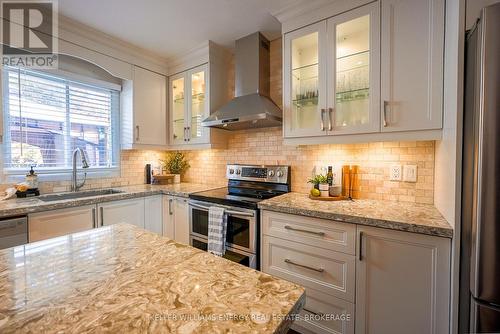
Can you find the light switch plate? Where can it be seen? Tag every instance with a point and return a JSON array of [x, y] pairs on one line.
[[395, 173], [410, 173]]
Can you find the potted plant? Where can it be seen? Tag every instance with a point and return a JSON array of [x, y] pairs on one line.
[[176, 164], [320, 182]]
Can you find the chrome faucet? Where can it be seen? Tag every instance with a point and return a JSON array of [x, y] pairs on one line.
[[74, 180]]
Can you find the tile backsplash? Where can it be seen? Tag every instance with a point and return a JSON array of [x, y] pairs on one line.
[[265, 146], [131, 173]]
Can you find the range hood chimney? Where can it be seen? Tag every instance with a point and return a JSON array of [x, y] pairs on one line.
[[252, 107]]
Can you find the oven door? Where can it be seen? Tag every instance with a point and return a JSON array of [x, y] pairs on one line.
[[241, 225], [235, 255]]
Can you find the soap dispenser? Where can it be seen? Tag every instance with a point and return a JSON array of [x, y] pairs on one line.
[[32, 179]]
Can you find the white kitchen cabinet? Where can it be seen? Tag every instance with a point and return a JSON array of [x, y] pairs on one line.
[[55, 223], [331, 76], [304, 84], [181, 213], [130, 211], [194, 93], [189, 106], [372, 72], [144, 110], [402, 282], [320, 255], [310, 320], [390, 282], [168, 217], [153, 213], [176, 218], [412, 42]]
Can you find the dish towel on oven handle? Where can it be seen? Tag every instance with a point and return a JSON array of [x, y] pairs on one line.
[[217, 227]]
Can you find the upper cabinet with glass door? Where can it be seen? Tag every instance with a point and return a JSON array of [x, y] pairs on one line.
[[354, 71], [188, 107], [304, 88], [370, 73], [194, 94], [331, 76]]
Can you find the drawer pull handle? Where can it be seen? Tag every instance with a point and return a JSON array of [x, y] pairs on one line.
[[94, 224], [360, 246], [288, 227], [312, 312], [319, 270]]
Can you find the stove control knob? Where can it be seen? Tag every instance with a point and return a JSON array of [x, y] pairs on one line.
[[238, 172], [271, 173], [280, 173], [231, 171]]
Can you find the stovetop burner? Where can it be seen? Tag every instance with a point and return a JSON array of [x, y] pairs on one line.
[[248, 185]]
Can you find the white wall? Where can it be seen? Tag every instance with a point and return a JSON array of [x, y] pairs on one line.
[[473, 9], [448, 154]]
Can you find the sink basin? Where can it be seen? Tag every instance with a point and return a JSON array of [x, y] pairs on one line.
[[79, 194]]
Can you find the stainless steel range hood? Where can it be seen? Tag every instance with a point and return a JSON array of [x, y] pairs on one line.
[[252, 107]]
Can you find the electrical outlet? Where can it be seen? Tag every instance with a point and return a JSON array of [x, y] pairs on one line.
[[396, 173], [410, 173]]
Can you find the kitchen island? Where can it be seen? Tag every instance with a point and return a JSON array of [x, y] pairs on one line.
[[124, 279]]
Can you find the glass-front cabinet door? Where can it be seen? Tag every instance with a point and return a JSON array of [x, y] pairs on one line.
[[189, 106], [178, 109], [354, 71], [305, 81], [198, 106]]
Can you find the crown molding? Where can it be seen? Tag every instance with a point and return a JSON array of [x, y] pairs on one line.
[[85, 36], [205, 52], [304, 12]]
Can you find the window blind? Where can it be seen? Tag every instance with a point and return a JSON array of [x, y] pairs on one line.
[[47, 117]]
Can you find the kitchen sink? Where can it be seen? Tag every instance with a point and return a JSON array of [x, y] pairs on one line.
[[79, 194]]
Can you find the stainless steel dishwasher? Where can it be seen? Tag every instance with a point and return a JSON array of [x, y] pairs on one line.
[[13, 232]]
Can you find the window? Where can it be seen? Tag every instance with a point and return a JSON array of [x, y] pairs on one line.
[[46, 117]]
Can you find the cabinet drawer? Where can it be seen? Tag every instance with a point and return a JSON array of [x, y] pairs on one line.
[[324, 270], [340, 237], [325, 315], [56, 223]]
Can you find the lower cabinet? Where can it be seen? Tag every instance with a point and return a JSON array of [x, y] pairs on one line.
[[402, 282], [176, 218], [360, 279], [130, 211], [153, 214], [55, 223], [144, 212]]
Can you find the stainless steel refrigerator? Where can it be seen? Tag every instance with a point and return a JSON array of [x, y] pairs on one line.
[[480, 251]]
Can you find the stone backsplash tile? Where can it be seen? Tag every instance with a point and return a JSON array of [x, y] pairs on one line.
[[265, 146]]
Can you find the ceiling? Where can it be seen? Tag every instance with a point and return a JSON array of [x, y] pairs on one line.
[[169, 27]]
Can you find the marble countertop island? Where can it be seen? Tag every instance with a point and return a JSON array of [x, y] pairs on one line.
[[122, 279], [22, 206], [410, 217]]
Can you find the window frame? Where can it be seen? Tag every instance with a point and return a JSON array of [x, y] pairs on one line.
[[64, 173]]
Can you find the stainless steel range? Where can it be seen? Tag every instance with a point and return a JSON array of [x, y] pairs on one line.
[[247, 186]]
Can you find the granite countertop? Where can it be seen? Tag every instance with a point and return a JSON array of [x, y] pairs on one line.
[[122, 279], [22, 206], [410, 217]]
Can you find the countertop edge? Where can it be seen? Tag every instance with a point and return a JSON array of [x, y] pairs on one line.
[[373, 222], [294, 311], [55, 205]]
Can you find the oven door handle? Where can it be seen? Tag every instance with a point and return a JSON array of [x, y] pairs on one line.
[[229, 212]]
